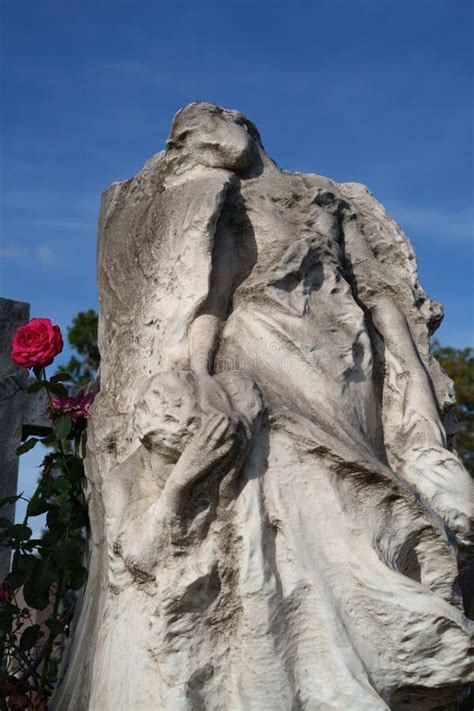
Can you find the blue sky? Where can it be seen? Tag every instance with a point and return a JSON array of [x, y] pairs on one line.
[[376, 91]]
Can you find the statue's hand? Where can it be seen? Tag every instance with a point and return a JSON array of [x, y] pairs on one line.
[[231, 409], [216, 436], [210, 447]]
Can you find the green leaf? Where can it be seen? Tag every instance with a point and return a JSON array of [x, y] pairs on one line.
[[38, 373], [29, 637], [57, 389], [66, 509], [37, 599], [7, 613], [26, 446], [78, 578], [17, 578], [52, 516], [9, 500], [36, 588], [12, 609], [20, 532], [37, 505], [62, 427], [60, 377], [61, 484], [55, 625], [6, 621], [76, 468], [43, 574], [68, 553], [24, 562], [35, 386]]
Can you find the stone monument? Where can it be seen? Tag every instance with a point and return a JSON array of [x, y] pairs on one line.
[[21, 414], [277, 512]]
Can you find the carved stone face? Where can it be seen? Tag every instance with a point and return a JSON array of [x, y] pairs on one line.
[[166, 412], [208, 135]]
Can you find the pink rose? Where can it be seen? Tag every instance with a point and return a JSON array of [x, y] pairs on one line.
[[36, 343], [76, 407]]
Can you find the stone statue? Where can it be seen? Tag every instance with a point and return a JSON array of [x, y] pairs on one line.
[[278, 515]]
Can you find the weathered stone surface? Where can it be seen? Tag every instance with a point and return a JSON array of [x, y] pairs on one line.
[[13, 382], [21, 414], [276, 514]]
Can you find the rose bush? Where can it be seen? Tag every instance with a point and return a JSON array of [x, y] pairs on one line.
[[46, 572], [77, 407], [36, 344]]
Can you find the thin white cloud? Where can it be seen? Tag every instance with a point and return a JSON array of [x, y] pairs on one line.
[[54, 223], [12, 251], [438, 223], [42, 253], [45, 255], [36, 199]]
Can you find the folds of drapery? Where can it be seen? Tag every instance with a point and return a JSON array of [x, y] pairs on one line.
[[328, 580]]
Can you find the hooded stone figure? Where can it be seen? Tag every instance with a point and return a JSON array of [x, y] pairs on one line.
[[299, 548]]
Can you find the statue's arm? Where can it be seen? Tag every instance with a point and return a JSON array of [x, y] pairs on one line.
[[385, 282], [206, 327], [204, 338], [393, 326]]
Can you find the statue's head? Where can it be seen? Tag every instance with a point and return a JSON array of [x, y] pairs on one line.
[[206, 134], [166, 412]]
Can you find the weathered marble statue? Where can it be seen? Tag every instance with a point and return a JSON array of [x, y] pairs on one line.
[[277, 514]]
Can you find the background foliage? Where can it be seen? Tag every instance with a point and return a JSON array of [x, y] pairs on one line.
[[39, 595], [82, 337], [459, 365]]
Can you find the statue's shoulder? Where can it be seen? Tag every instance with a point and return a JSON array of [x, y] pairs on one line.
[[153, 168], [321, 183], [198, 180], [358, 193], [132, 192]]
